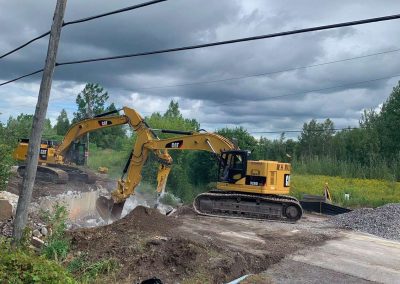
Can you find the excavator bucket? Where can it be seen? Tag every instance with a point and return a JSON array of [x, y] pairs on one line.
[[108, 210]]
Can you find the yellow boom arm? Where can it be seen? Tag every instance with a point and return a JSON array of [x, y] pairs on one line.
[[210, 142]]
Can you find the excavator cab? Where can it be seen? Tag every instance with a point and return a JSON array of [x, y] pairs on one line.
[[232, 165]]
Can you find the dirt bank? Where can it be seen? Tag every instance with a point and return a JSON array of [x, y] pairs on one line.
[[187, 248]]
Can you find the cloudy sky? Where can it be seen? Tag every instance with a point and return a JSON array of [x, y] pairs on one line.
[[147, 83]]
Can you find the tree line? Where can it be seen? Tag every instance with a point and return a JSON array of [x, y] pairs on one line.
[[370, 151]]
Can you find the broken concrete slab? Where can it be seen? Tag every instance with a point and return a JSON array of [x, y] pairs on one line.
[[6, 210], [8, 205]]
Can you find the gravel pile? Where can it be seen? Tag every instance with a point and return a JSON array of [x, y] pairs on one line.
[[383, 221]]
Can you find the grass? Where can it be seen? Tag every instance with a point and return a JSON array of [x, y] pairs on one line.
[[114, 160], [363, 192], [91, 272], [377, 169]]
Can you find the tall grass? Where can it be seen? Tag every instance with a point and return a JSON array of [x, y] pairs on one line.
[[378, 169], [363, 192]]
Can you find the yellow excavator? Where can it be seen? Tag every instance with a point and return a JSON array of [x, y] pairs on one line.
[[61, 162], [245, 188]]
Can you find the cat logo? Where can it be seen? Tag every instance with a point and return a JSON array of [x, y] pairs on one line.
[[174, 144], [104, 122], [43, 154]]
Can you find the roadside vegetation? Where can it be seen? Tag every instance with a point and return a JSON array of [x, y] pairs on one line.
[[362, 192], [54, 262]]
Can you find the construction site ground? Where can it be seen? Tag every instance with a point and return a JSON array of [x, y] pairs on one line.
[[188, 248]]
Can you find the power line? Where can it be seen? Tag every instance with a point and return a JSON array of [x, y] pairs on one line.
[[352, 23], [85, 20], [25, 44], [20, 77], [336, 87], [114, 12], [322, 89], [299, 31], [307, 130], [268, 73]]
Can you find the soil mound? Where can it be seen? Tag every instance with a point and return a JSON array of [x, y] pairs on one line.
[[147, 220]]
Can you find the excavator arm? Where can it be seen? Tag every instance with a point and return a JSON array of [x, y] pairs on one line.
[[85, 126], [211, 142]]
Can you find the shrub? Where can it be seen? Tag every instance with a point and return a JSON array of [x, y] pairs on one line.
[[57, 245], [5, 165], [19, 265]]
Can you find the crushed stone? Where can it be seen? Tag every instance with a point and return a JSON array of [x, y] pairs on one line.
[[382, 221]]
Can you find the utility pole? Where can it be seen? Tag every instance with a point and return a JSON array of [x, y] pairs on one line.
[[25, 195]]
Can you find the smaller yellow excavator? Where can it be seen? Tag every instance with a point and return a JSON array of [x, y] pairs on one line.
[[61, 162]]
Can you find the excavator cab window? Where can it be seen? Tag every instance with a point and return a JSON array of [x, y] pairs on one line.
[[232, 166], [77, 153]]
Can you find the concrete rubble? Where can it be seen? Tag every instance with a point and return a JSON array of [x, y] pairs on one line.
[[8, 205]]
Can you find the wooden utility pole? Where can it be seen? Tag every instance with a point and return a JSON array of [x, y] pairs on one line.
[[25, 195]]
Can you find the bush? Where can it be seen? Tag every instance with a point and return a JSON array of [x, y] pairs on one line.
[[23, 266], [5, 164], [58, 245]]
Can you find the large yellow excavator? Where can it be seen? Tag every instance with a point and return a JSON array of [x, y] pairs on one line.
[[245, 188]]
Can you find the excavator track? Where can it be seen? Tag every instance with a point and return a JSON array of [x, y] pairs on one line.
[[77, 173], [61, 174], [46, 173], [218, 203]]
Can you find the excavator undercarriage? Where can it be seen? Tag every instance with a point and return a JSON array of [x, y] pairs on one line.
[[233, 204]]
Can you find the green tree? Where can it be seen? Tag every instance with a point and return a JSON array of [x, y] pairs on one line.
[[244, 139], [90, 101], [62, 124], [316, 138], [388, 125], [20, 127]]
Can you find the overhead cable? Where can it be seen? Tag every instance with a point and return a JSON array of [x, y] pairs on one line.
[[305, 130], [20, 77], [360, 22], [85, 20], [267, 73], [113, 12], [232, 102], [299, 31]]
